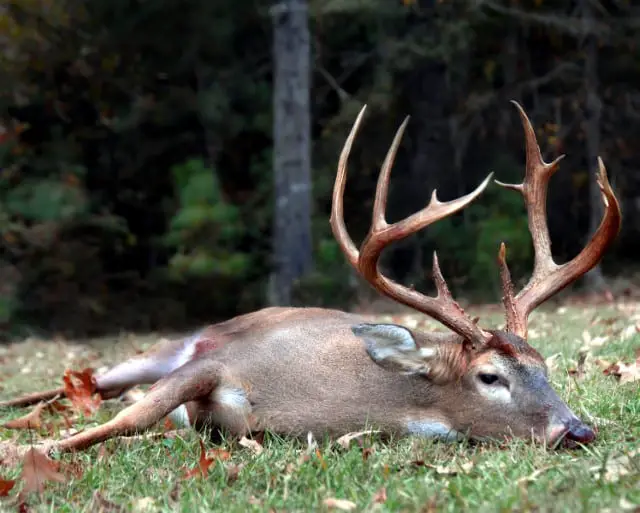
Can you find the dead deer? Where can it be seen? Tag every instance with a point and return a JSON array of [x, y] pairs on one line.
[[297, 370]]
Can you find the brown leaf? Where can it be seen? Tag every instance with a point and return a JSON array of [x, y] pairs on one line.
[[380, 496], [81, 390], [29, 421], [38, 468], [99, 504], [341, 504], [202, 469], [5, 486], [218, 454], [626, 373], [345, 440], [252, 445], [450, 470], [233, 471]]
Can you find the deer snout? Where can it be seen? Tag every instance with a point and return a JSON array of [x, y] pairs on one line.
[[580, 432], [570, 432]]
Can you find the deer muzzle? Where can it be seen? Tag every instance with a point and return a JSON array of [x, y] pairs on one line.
[[570, 433]]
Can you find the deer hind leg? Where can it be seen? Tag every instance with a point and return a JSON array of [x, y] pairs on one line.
[[146, 368], [194, 381]]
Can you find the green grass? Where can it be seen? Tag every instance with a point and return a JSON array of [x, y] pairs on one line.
[[508, 477]]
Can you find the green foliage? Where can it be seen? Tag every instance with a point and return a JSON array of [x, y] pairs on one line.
[[473, 240], [204, 229]]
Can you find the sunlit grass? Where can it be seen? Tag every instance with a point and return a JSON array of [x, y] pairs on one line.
[[288, 476]]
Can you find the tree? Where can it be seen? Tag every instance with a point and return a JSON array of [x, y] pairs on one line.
[[292, 244]]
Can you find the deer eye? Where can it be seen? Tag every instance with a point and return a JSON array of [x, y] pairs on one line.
[[488, 379]]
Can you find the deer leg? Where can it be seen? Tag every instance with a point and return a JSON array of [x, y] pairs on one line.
[[142, 369], [194, 380], [33, 398]]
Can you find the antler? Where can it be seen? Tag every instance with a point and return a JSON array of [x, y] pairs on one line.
[[442, 307], [548, 277]]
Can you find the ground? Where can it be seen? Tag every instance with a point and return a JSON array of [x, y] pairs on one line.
[[372, 474]]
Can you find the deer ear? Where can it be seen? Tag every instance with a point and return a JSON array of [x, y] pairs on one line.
[[394, 348]]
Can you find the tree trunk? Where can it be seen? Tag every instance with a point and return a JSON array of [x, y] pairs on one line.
[[292, 249], [594, 279]]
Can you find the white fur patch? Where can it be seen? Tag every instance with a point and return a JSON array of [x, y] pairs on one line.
[[180, 417], [186, 353], [233, 398], [432, 429], [427, 352]]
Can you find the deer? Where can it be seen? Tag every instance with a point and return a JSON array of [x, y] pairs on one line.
[[299, 370]]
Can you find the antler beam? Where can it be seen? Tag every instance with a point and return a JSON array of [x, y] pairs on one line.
[[443, 307], [548, 277]]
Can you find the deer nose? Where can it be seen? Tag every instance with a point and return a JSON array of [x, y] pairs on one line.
[[580, 432]]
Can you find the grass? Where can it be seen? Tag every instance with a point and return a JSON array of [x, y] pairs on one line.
[[143, 475]]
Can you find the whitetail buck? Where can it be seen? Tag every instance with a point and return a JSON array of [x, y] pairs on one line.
[[299, 370]]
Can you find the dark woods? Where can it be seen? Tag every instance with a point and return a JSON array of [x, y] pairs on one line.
[[137, 182]]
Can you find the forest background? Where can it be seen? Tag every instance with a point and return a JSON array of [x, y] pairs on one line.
[[166, 164]]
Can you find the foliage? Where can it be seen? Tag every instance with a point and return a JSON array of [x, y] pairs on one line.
[[135, 142], [205, 228]]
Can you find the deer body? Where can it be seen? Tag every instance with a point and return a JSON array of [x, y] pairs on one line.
[[299, 370], [290, 370]]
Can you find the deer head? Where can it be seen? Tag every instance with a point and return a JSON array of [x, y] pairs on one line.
[[485, 382]]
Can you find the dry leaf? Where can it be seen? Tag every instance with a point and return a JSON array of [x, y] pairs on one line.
[[450, 470], [615, 468], [29, 421], [626, 373], [341, 504], [101, 505], [38, 468], [252, 445], [345, 440], [233, 471], [202, 469], [80, 392], [5, 486], [144, 505], [380, 496], [218, 454]]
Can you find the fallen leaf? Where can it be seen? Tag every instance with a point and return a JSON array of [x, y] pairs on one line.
[[380, 496], [218, 454], [29, 421], [615, 468], [341, 504], [144, 505], [449, 470], [37, 469], [345, 440], [99, 504], [252, 445], [202, 469], [5, 486], [81, 390], [233, 471], [626, 373]]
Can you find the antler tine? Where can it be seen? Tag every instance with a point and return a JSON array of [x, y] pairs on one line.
[[548, 278], [337, 211], [443, 307]]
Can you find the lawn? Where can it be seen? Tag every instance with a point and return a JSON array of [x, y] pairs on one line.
[[372, 474]]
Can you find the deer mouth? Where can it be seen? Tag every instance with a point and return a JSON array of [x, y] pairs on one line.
[[571, 436]]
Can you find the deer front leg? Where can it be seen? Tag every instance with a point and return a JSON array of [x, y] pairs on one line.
[[194, 380]]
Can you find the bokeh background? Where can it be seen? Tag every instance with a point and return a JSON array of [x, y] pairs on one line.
[[165, 164]]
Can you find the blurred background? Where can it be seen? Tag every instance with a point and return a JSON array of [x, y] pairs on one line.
[[165, 164]]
